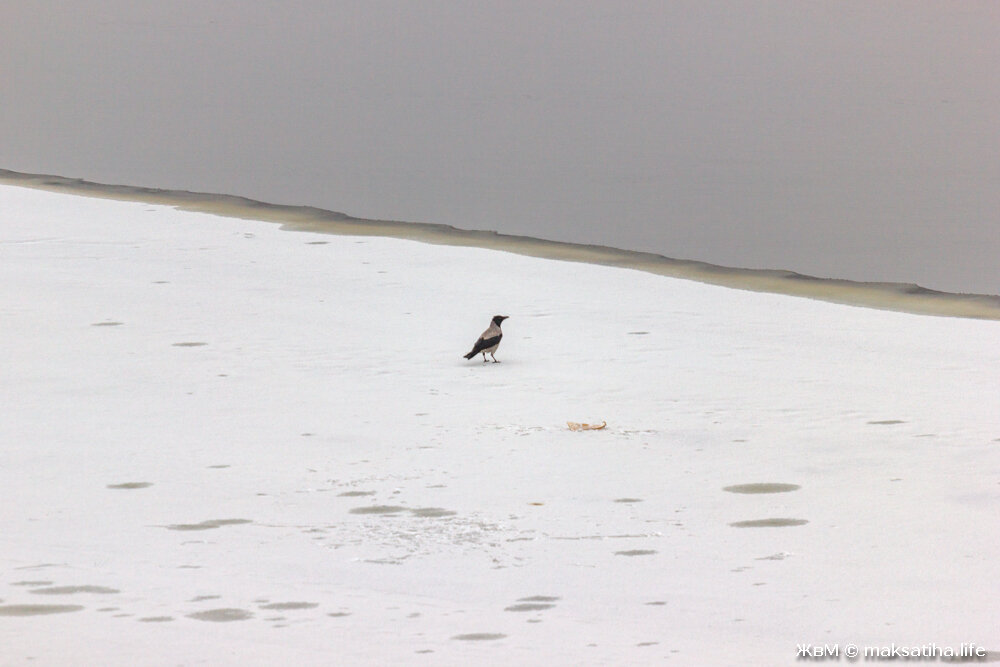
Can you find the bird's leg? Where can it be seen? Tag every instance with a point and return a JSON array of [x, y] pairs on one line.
[[484, 357], [494, 358]]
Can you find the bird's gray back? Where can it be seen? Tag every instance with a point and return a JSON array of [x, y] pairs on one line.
[[492, 331]]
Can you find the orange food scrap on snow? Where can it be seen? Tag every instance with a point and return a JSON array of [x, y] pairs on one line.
[[574, 426]]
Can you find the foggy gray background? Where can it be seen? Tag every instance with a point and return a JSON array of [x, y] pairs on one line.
[[841, 139]]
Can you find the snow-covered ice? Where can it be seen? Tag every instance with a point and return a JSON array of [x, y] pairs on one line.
[[224, 443]]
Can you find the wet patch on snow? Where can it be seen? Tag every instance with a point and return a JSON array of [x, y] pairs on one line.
[[762, 487], [769, 523], [211, 524], [224, 615], [37, 609], [290, 605], [131, 485], [73, 590], [378, 509], [432, 512]]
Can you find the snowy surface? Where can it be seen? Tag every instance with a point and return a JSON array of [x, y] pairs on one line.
[[309, 473]]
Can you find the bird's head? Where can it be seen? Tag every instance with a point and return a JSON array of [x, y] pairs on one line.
[[497, 319]]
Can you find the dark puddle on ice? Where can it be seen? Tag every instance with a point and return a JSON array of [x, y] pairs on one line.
[[156, 619], [224, 615], [208, 525], [769, 523], [317, 242], [479, 636], [355, 494], [32, 583], [628, 500], [106, 324], [762, 487], [378, 509], [638, 333], [636, 552], [73, 590], [131, 485], [219, 466], [886, 422], [37, 609], [290, 605], [534, 603], [529, 606], [339, 614], [202, 598], [432, 512], [189, 344], [391, 510]]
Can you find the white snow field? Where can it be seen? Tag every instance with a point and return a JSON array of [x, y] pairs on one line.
[[222, 443]]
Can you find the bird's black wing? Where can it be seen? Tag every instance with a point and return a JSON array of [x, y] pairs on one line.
[[483, 344]]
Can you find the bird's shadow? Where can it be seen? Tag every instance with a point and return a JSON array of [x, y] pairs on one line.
[[480, 364]]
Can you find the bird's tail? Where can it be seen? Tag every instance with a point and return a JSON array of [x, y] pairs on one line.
[[470, 354]]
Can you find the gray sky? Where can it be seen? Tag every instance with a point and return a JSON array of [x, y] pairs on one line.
[[847, 139]]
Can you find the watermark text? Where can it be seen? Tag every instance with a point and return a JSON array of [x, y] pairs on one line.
[[966, 652]]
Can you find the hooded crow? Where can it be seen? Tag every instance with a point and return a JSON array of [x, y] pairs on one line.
[[489, 341]]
